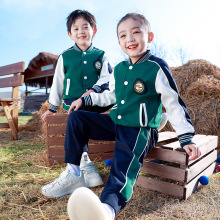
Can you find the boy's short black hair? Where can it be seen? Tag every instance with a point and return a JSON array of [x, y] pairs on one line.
[[136, 17], [78, 14]]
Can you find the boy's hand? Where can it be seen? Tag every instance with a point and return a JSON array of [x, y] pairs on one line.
[[87, 93], [77, 104], [193, 151], [43, 117]]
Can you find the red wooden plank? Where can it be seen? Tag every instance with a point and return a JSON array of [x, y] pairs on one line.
[[160, 186], [102, 147], [55, 130], [55, 151], [57, 119], [55, 141], [12, 68], [12, 81]]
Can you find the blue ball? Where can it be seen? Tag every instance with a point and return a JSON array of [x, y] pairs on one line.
[[204, 180], [108, 162], [218, 159]]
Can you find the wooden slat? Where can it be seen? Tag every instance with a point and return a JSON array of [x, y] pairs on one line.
[[12, 68], [55, 151], [175, 145], [206, 144], [12, 81], [93, 157], [168, 155], [101, 156], [192, 186], [165, 171], [160, 186], [102, 147], [4, 125], [198, 167], [55, 141], [9, 100], [56, 129], [57, 119]]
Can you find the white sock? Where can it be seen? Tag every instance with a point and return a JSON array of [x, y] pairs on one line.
[[110, 211], [73, 169], [85, 157]]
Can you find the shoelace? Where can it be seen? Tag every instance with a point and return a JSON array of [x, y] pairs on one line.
[[89, 169]]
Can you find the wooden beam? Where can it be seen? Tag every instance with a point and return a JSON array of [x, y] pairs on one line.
[[10, 121], [12, 81], [160, 186], [165, 171], [12, 68], [4, 125]]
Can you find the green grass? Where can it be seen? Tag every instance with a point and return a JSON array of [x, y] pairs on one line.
[[24, 170], [22, 119]]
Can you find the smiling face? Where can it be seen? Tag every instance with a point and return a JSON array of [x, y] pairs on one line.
[[82, 33], [134, 38]]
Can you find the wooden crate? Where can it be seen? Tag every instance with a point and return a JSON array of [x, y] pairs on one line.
[[56, 128], [166, 169]]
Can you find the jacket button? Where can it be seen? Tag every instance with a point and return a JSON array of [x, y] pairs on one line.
[[85, 77], [122, 102], [125, 83], [84, 52], [130, 67], [85, 62], [119, 116]]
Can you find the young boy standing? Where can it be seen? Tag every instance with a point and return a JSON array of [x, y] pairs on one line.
[[80, 70], [138, 88]]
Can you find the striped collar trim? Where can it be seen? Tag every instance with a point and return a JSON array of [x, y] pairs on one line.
[[75, 47], [143, 59]]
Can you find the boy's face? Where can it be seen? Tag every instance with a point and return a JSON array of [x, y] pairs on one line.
[[82, 33], [133, 38]]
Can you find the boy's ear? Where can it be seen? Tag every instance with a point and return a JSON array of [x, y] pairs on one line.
[[94, 31], [69, 34], [150, 37]]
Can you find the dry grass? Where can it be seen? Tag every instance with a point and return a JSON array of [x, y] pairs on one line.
[[24, 170]]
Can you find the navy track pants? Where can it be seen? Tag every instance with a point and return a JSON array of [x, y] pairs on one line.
[[131, 146]]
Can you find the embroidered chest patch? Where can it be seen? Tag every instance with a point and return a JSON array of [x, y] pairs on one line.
[[98, 65], [139, 86]]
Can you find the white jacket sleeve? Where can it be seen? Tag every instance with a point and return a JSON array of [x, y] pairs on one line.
[[56, 92], [105, 98], [173, 103]]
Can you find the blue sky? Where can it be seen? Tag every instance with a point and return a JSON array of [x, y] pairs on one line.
[[29, 27]]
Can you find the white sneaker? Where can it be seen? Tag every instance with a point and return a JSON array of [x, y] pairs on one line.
[[163, 121], [65, 184], [91, 176], [83, 204]]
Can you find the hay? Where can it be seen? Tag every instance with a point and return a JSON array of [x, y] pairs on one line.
[[198, 82]]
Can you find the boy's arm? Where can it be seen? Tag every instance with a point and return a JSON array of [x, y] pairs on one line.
[[174, 105], [56, 92], [104, 75], [101, 99]]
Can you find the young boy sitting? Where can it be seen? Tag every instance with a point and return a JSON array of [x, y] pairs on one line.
[[138, 88], [80, 70]]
